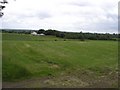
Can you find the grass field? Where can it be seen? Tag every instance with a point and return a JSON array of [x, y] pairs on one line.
[[64, 63]]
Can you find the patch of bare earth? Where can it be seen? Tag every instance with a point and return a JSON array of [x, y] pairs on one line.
[[82, 79], [54, 66]]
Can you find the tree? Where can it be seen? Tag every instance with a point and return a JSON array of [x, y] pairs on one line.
[[2, 6], [51, 32], [41, 31]]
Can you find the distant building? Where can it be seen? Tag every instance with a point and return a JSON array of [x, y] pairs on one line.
[[34, 33], [42, 34]]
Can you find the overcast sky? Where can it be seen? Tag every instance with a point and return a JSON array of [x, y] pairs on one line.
[[63, 15]]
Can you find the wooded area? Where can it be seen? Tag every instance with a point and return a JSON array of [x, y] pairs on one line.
[[68, 35]]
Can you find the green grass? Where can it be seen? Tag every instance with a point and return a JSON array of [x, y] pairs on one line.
[[40, 56], [27, 37]]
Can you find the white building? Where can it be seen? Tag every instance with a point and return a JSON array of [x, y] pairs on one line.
[[34, 33], [42, 34]]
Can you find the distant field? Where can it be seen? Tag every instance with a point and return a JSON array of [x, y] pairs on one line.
[[92, 63], [27, 37]]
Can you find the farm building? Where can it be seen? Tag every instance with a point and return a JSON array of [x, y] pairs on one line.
[[34, 33], [41, 34]]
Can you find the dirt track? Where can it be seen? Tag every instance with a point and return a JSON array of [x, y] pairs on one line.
[[81, 81]]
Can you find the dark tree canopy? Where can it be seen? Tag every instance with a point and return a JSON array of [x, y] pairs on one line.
[[41, 31], [2, 6]]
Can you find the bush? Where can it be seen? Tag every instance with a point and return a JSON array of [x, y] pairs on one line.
[[55, 39]]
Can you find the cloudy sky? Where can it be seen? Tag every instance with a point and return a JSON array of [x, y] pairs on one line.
[[63, 15]]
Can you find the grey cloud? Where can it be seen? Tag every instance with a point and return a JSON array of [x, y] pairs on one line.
[[88, 15], [80, 3], [38, 14], [104, 26], [100, 26], [113, 16], [43, 15], [107, 25]]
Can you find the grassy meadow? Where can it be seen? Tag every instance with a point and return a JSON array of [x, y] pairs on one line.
[[65, 63]]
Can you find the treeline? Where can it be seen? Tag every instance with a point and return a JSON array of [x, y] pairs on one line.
[[19, 31], [69, 35], [81, 36]]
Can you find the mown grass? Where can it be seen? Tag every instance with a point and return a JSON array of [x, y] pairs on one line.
[[39, 56]]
